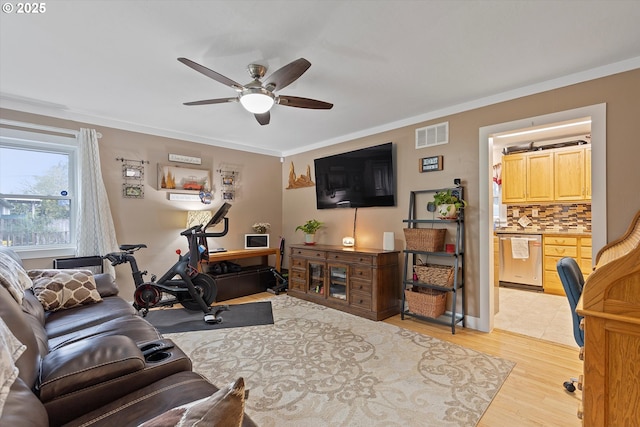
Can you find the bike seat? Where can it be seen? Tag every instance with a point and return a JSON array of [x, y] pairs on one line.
[[129, 247]]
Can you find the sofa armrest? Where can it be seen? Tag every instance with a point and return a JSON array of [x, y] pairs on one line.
[[106, 285], [86, 363]]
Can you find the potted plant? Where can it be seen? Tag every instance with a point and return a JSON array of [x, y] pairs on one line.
[[309, 229], [447, 204]]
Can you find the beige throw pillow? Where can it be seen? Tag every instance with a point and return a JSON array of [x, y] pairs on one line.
[[225, 408], [62, 289]]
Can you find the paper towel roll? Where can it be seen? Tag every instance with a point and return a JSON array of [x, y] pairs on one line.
[[388, 241]]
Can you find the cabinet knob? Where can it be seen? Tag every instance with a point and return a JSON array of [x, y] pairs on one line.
[[361, 301]]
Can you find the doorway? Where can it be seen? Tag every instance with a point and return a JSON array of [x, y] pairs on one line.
[[597, 113], [520, 305]]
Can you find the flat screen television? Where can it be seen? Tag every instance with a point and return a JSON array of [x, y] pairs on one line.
[[356, 179]]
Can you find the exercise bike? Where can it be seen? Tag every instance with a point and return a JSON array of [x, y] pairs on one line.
[[194, 290]]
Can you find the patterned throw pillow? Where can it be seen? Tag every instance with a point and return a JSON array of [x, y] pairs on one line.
[[62, 289], [13, 277], [224, 408], [10, 351]]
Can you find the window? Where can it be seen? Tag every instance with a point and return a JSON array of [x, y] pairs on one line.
[[37, 191]]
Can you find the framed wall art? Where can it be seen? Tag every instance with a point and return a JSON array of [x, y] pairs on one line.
[[133, 191]]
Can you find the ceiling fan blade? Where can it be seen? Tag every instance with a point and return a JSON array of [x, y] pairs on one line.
[[263, 118], [288, 74], [212, 101], [211, 74], [296, 101]]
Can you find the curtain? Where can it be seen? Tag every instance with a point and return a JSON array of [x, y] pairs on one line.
[[95, 232]]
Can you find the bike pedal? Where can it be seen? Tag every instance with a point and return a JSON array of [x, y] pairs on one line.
[[212, 319]]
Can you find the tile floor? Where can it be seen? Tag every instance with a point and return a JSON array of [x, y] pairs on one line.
[[535, 314]]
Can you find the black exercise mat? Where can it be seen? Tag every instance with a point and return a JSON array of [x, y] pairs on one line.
[[180, 320]]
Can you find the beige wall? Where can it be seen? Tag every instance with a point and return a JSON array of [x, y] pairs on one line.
[[620, 92], [156, 221]]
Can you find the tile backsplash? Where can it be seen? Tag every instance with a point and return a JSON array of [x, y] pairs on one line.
[[565, 217]]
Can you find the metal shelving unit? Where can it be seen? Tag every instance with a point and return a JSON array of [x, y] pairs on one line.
[[455, 316]]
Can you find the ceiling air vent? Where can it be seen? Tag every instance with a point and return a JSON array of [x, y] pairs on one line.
[[432, 135]]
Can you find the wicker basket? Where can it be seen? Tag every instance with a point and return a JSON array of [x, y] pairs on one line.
[[425, 239], [434, 274], [427, 302]]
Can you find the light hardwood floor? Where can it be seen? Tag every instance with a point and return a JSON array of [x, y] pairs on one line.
[[533, 394]]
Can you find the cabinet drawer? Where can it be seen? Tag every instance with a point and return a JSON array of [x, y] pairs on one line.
[[361, 286], [585, 266], [586, 241], [361, 272], [308, 253], [296, 284], [562, 241], [585, 252], [562, 251], [350, 258], [552, 283], [298, 274], [298, 263], [361, 300], [551, 262]]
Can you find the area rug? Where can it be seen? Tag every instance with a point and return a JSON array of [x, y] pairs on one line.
[[316, 366], [239, 315]]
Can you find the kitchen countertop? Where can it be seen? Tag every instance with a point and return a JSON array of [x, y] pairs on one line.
[[546, 231]]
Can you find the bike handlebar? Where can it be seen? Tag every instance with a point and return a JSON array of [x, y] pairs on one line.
[[116, 258], [192, 230]]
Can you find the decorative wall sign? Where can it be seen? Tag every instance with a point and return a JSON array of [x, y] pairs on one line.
[[183, 197], [299, 181], [431, 164], [185, 159], [133, 174]]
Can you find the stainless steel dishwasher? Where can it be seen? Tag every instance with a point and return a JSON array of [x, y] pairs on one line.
[[521, 260]]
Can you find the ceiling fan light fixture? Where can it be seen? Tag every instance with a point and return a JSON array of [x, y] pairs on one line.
[[257, 100]]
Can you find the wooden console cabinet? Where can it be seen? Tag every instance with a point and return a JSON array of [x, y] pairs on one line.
[[364, 282], [610, 304]]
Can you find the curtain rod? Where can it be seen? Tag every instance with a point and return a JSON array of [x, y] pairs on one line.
[[34, 126]]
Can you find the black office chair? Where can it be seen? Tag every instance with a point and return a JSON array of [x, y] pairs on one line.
[[93, 263], [572, 282]]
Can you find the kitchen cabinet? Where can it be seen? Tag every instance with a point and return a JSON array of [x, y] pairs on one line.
[[552, 175], [560, 246], [540, 176], [363, 282], [514, 178], [570, 174]]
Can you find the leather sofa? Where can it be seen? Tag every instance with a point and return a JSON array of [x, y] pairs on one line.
[[96, 364]]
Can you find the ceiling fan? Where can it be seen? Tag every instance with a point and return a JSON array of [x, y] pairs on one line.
[[257, 97]]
